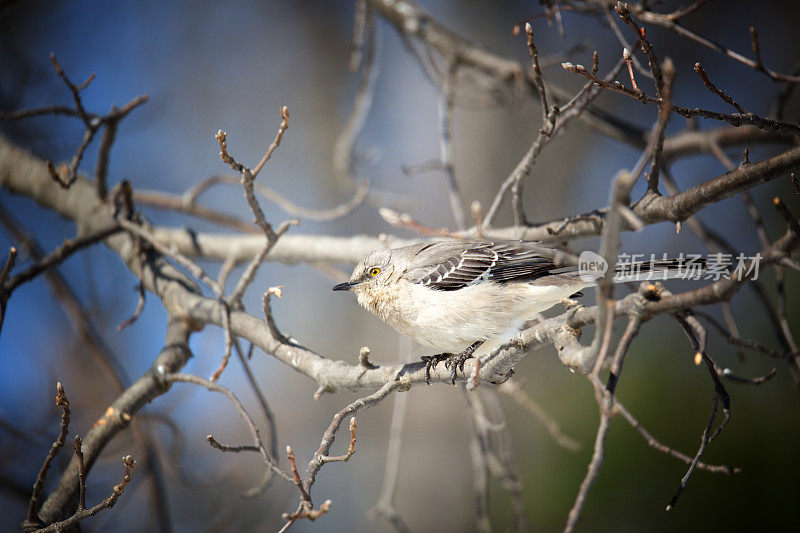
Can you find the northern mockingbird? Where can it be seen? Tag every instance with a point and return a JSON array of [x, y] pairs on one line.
[[456, 295]]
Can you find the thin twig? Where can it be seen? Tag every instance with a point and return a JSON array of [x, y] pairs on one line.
[[704, 440], [430, 165], [305, 512], [663, 448], [81, 473], [406, 221], [60, 254], [624, 13], [61, 401], [129, 464], [572, 109], [266, 307], [248, 179], [250, 272], [67, 175], [260, 396], [104, 154], [719, 92], [687, 10], [593, 470], [446, 149], [235, 449], [664, 113], [514, 389], [501, 461], [74, 89], [8, 266], [738, 341], [187, 203], [384, 507], [606, 404], [665, 22], [478, 448], [44, 110], [276, 142], [138, 311], [177, 203], [296, 475], [103, 359], [193, 268], [626, 55], [736, 119], [330, 434], [228, 343], [344, 146], [609, 247], [350, 449], [4, 294], [216, 387], [538, 79], [359, 33], [613, 24]]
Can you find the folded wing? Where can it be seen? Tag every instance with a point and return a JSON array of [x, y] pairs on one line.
[[453, 265]]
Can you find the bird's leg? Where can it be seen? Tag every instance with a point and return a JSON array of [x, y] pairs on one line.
[[458, 360], [431, 361], [451, 361]]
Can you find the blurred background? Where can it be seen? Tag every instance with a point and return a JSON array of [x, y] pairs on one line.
[[231, 65]]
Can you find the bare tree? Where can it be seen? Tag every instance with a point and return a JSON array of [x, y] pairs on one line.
[[191, 273]]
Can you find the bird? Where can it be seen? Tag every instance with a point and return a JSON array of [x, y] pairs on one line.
[[457, 295]]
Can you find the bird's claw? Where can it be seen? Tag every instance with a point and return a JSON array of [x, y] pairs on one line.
[[456, 361], [451, 361], [431, 361]]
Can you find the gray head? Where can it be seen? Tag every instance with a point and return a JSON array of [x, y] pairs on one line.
[[375, 269]]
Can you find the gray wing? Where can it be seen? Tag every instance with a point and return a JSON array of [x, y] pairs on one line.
[[452, 265]]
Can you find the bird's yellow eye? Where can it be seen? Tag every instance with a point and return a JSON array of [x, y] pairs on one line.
[[374, 271]]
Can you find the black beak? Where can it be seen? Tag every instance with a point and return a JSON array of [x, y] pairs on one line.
[[346, 286]]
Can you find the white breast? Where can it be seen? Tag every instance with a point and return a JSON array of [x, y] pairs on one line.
[[450, 321]]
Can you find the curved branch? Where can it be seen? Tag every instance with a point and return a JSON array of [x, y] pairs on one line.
[[117, 417]]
